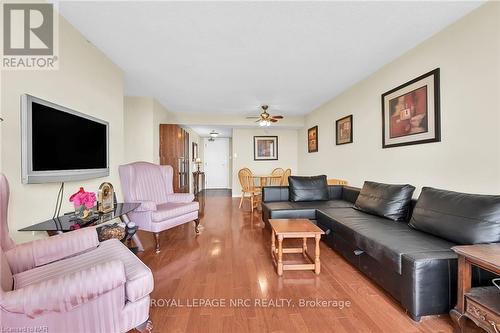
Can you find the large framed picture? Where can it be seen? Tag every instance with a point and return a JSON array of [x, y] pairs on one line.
[[343, 130], [312, 139], [265, 148], [410, 112]]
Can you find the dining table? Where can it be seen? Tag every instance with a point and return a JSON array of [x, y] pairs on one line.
[[266, 180]]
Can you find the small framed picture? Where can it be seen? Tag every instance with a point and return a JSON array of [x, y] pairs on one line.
[[195, 151], [265, 148], [410, 112], [343, 129], [312, 139]]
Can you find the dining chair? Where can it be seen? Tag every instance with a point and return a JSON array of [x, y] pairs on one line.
[[248, 189], [333, 181], [274, 180], [278, 172], [276, 177], [284, 178]]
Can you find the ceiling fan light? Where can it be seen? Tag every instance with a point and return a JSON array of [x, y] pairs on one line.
[[262, 123]]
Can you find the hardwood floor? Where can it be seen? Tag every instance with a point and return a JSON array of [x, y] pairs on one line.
[[230, 261]]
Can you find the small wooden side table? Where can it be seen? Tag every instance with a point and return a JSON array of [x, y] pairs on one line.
[[479, 304], [298, 228], [198, 181]]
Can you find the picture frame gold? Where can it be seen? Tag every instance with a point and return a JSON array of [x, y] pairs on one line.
[[105, 198]]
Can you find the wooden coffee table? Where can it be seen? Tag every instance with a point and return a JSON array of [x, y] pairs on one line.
[[294, 228]]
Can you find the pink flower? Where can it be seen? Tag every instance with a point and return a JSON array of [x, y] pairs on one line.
[[83, 198], [76, 201]]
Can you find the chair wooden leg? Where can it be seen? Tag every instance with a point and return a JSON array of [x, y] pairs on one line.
[[241, 200], [196, 226], [157, 242], [252, 202], [146, 326]]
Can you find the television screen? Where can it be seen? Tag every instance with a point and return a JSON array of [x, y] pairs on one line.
[[64, 141], [60, 144]]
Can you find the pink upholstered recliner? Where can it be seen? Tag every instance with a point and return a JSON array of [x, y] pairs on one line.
[[161, 209], [70, 282]]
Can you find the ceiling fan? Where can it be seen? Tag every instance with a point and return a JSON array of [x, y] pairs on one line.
[[265, 119]]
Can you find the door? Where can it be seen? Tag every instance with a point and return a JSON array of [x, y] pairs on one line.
[[216, 162], [174, 142]]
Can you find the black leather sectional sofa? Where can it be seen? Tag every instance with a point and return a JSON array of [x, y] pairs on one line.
[[417, 268]]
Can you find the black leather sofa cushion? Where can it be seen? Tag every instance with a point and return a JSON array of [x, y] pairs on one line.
[[458, 217], [380, 238], [308, 188], [386, 200]]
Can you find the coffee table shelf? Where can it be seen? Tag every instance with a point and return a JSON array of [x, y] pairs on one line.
[[295, 228]]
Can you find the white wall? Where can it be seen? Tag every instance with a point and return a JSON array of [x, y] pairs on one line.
[[86, 81], [160, 115], [243, 153], [143, 116], [138, 127], [467, 159]]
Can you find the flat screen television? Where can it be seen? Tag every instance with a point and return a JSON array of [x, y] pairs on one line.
[[60, 144]]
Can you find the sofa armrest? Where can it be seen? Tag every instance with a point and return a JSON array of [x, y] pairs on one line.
[[64, 293], [43, 251], [180, 197], [429, 282]]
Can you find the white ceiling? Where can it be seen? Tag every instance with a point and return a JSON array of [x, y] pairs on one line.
[[204, 131], [230, 57]]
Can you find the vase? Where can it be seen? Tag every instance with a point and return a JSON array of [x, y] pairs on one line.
[[83, 212]]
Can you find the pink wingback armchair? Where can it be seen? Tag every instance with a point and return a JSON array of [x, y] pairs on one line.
[[70, 282], [161, 209]]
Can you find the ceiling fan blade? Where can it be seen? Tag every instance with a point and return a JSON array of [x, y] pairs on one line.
[[252, 117], [258, 120], [273, 120], [277, 117]]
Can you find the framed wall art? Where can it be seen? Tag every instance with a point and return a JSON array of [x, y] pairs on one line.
[[265, 148], [312, 139], [343, 130], [411, 112]]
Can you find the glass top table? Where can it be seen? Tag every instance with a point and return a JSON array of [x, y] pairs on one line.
[[65, 222]]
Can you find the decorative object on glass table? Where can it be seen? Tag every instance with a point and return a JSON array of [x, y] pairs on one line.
[[83, 203], [105, 195]]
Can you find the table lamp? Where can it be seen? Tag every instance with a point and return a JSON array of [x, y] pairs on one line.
[[198, 163]]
